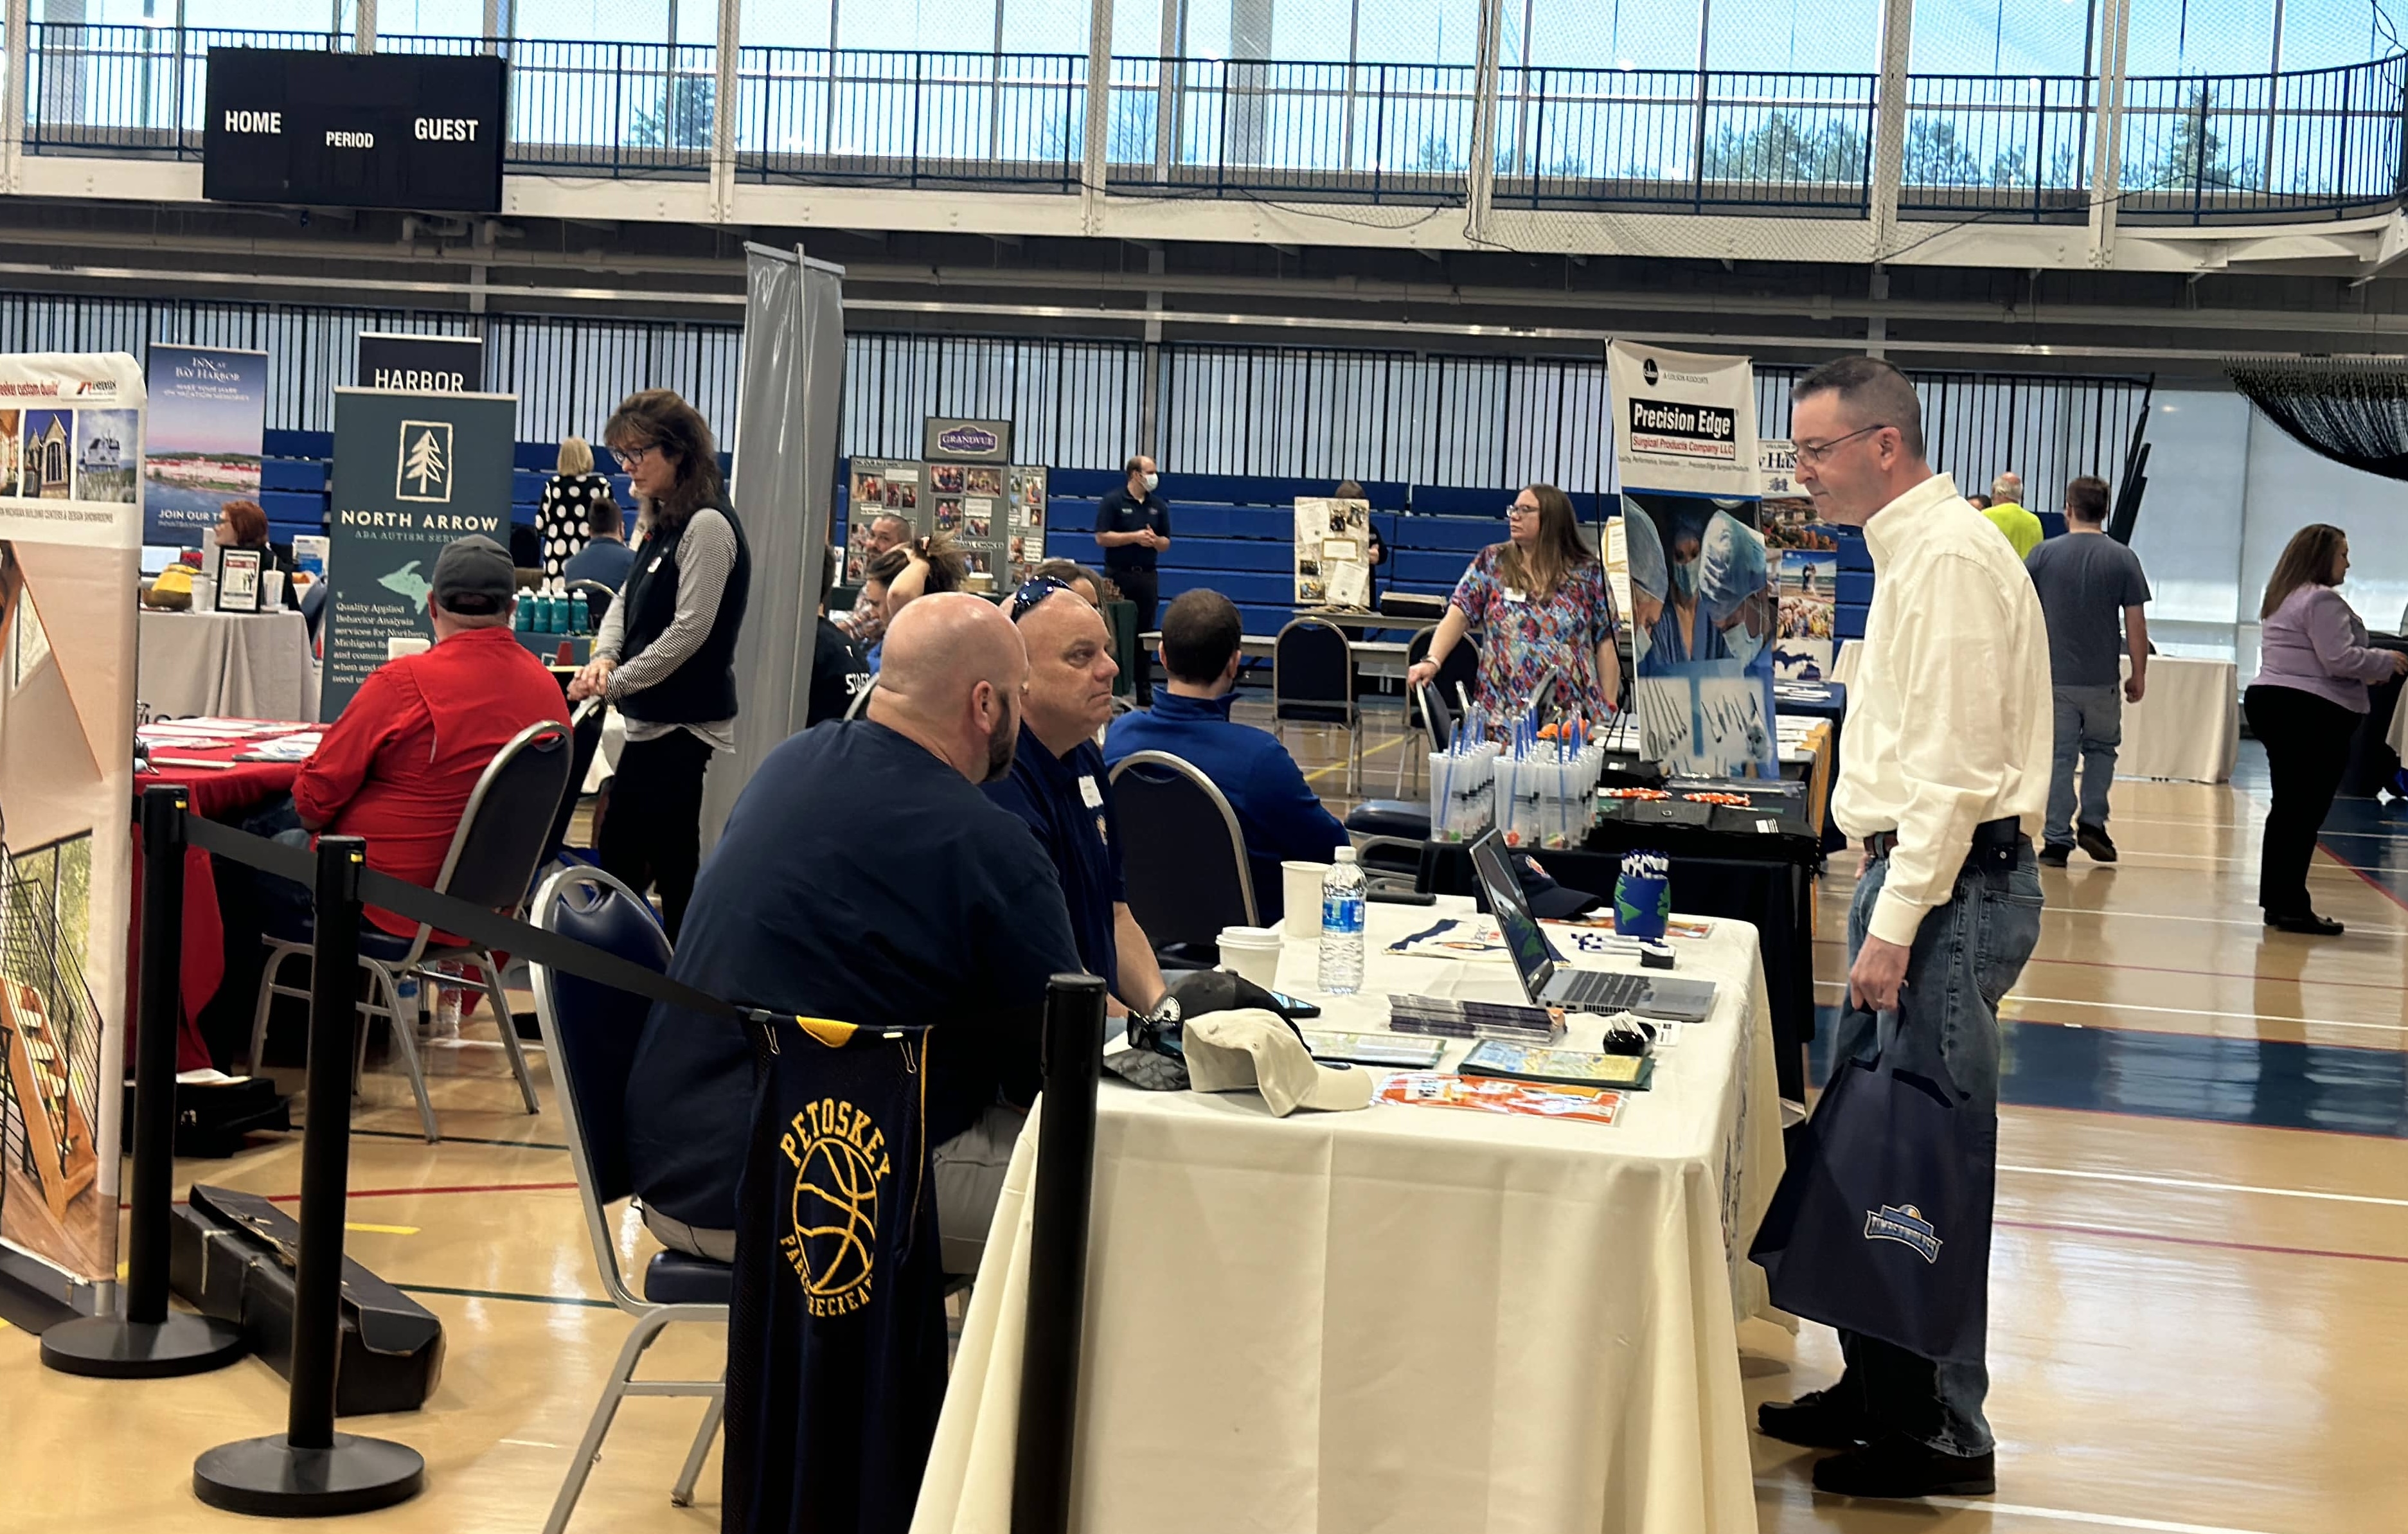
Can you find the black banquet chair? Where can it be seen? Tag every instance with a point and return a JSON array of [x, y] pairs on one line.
[[503, 839], [1182, 851], [1313, 681], [590, 1032]]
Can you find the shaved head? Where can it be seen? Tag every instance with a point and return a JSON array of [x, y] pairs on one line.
[[1070, 670], [952, 676]]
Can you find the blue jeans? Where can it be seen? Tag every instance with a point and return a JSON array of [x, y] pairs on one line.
[[1965, 956], [2089, 726]]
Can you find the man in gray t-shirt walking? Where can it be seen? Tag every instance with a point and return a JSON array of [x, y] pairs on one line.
[[2086, 581]]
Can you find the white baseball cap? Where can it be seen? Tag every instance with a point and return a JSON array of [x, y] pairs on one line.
[[1248, 1047]]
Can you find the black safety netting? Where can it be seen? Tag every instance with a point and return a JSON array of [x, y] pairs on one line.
[[2353, 410]]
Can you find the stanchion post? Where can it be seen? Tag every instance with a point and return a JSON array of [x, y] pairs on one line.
[[310, 1470], [143, 1339], [1057, 1255]]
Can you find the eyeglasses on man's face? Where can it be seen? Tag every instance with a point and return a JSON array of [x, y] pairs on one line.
[[1816, 452]]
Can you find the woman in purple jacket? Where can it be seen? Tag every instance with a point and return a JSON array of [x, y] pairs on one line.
[[2312, 667]]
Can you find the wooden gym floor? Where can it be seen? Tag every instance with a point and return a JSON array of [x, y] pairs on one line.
[[2198, 1292]]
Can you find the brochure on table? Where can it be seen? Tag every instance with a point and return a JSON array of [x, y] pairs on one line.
[[1333, 553], [1702, 604], [1807, 568], [71, 531], [208, 420], [412, 472]]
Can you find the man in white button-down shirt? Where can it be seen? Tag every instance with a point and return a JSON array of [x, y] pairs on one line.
[[1944, 783]]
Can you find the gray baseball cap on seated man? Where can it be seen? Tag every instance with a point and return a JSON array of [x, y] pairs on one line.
[[473, 577]]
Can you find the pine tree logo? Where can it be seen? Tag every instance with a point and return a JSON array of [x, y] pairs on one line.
[[426, 471]]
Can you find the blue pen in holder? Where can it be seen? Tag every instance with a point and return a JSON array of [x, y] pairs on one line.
[[1642, 902]]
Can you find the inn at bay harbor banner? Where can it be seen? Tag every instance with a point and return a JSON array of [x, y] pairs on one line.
[[208, 422]]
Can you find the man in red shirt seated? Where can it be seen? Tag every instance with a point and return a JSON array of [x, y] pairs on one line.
[[398, 766]]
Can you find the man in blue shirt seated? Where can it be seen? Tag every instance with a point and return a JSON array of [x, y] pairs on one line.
[[1277, 811], [606, 556], [1057, 784], [864, 878]]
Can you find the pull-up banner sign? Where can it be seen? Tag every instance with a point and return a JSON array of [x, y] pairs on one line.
[[355, 130]]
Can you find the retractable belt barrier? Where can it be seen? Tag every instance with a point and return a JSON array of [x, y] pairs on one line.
[[310, 1470]]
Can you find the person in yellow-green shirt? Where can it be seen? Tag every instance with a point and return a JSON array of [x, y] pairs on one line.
[[2006, 512]]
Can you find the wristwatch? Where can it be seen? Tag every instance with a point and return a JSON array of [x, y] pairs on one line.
[[1159, 1030]]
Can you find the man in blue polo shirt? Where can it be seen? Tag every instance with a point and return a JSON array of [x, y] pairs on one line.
[[864, 878], [1057, 784], [1277, 813]]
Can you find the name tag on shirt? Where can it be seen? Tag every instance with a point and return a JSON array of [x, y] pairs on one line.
[[1089, 795], [655, 565], [1513, 595]]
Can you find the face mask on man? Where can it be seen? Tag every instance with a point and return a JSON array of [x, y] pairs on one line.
[[1151, 482]]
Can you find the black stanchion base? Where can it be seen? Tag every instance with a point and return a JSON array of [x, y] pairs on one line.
[[114, 1348], [268, 1478]]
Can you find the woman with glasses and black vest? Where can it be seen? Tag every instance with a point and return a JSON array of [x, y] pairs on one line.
[[665, 657]]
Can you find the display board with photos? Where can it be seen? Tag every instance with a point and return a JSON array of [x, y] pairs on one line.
[[1024, 489], [969, 503], [1807, 569], [880, 485], [1333, 553]]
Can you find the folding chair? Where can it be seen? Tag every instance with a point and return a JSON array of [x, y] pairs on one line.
[[1312, 680], [493, 859], [1389, 833], [591, 1031], [1182, 853], [598, 597]]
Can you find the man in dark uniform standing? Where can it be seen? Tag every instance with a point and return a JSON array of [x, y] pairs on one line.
[[1133, 526]]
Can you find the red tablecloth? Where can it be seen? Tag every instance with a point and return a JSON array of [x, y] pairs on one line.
[[220, 793]]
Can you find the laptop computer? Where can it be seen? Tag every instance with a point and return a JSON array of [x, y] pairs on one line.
[[1547, 981]]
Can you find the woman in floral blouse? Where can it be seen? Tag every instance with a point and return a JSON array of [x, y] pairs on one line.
[[1541, 604]]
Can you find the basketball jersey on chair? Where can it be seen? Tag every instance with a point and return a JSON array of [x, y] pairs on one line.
[[835, 1340]]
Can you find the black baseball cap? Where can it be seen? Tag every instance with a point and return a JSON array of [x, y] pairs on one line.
[[473, 576]]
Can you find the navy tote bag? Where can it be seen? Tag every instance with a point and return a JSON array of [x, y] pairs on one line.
[[1881, 1224]]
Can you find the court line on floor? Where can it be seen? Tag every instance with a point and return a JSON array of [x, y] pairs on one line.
[[1841, 894], [2366, 879], [1990, 1505], [2156, 1239], [2146, 1180], [579, 1301], [2174, 1012], [404, 1193], [2175, 969], [1366, 755], [451, 1140]]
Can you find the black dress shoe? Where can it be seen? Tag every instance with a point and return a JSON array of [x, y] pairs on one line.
[[2093, 839], [1819, 1419], [2055, 855], [2306, 922], [1897, 1467]]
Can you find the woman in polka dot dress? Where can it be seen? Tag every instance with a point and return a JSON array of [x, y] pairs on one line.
[[566, 499]]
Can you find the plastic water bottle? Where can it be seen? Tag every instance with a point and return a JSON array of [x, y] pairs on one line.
[[1342, 926], [579, 620]]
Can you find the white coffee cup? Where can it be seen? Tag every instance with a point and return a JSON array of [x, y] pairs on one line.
[[205, 595], [271, 590], [398, 645], [1301, 886], [1253, 953]]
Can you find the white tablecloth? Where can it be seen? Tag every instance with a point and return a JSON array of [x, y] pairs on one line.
[[2188, 726], [1402, 1319], [230, 664]]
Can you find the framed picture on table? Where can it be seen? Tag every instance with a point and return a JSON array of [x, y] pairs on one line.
[[238, 580]]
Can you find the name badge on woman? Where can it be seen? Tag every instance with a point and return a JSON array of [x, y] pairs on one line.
[[1516, 597]]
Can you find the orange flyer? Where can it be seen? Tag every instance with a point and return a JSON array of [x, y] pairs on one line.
[[1424, 1089]]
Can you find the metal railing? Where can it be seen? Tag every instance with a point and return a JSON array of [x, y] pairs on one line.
[[1673, 138], [913, 119], [2194, 149]]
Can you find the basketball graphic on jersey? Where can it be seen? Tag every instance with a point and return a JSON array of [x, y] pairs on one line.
[[841, 1164]]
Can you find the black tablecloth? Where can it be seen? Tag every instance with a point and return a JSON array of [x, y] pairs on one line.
[[1764, 879]]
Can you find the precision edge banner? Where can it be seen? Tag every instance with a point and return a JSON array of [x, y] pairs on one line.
[[71, 438], [1683, 421]]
